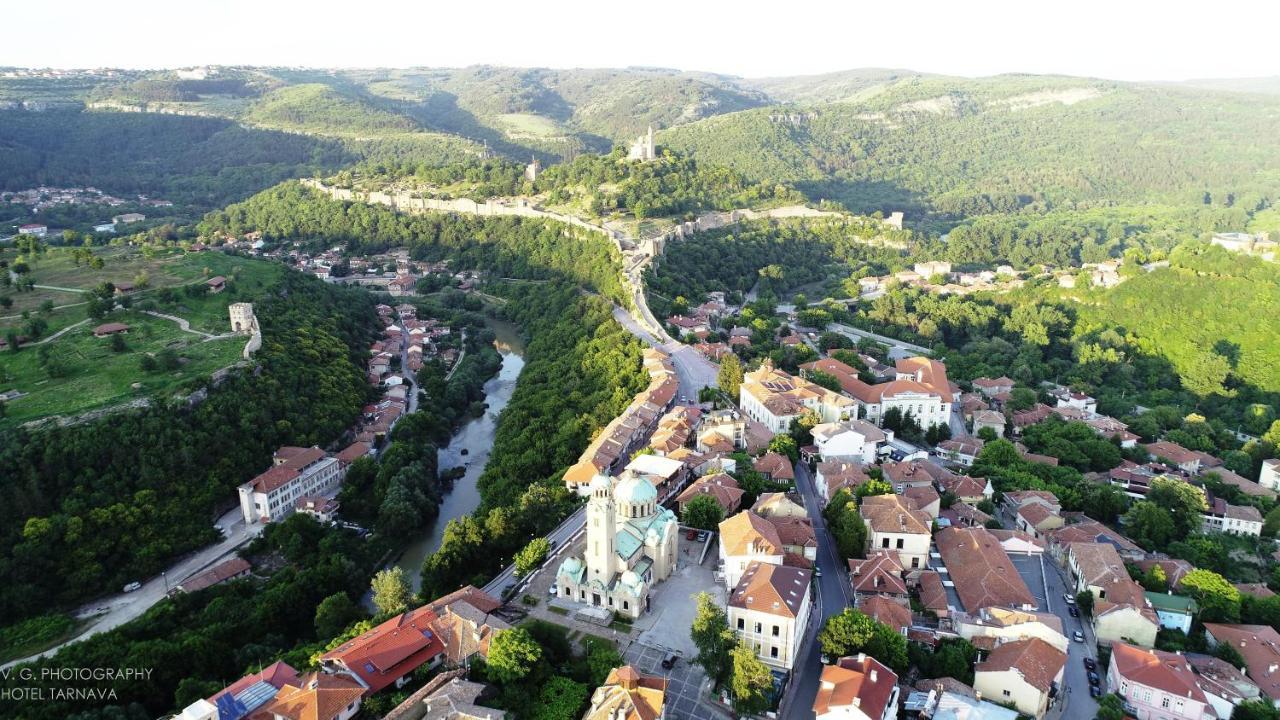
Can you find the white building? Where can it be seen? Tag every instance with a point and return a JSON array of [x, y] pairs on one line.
[[775, 398], [1157, 685], [296, 472], [643, 148], [769, 611], [1270, 476], [1223, 517], [631, 545], [851, 439], [894, 523]]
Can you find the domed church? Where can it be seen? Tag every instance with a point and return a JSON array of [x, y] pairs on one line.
[[631, 544]]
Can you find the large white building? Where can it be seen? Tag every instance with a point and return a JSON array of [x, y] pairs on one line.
[[631, 545], [851, 439], [920, 386], [769, 610], [776, 398], [296, 472]]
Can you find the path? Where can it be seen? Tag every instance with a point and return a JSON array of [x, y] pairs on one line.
[[115, 610], [457, 363], [897, 348], [184, 325], [63, 289], [58, 334]]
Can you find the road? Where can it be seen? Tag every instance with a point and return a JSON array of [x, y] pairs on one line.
[[1075, 704], [108, 613], [693, 369], [898, 349], [561, 538], [834, 594]]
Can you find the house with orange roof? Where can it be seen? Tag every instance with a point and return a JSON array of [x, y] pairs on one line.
[[295, 472], [387, 654], [1259, 645], [1157, 685], [1027, 674], [769, 610], [1036, 519], [981, 570], [879, 574], [857, 688], [775, 467], [775, 398], [895, 523], [747, 538], [243, 696], [720, 487], [832, 476], [1121, 611], [316, 696], [628, 694], [1002, 625], [890, 612]]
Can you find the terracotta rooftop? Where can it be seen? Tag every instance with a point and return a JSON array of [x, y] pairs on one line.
[[389, 651], [880, 572], [893, 514], [772, 589], [316, 696], [747, 533], [776, 466], [1036, 660], [981, 570], [1156, 669], [860, 681], [628, 694], [1259, 645], [887, 611]]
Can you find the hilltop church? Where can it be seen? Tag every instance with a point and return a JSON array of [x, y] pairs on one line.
[[631, 545]]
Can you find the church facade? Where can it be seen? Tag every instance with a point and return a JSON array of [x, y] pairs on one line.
[[631, 545]]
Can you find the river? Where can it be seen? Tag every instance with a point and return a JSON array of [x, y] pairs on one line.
[[476, 438]]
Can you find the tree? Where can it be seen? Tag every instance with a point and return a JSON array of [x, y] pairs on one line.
[[559, 698], [713, 638], [987, 434], [1207, 375], [785, 445], [118, 344], [1219, 600], [752, 682], [729, 377], [390, 590], [1150, 525], [1111, 707], [702, 512], [334, 614], [1155, 579], [1186, 503], [852, 632], [846, 525], [873, 487], [1260, 709], [1084, 600], [531, 556], [512, 654], [1021, 398]]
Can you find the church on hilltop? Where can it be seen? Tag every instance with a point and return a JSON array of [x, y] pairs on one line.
[[631, 545], [643, 148]]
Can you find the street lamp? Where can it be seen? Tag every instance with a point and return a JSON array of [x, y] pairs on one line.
[[165, 575]]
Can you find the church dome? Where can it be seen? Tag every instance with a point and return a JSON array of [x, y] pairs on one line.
[[635, 490], [630, 579], [571, 566]]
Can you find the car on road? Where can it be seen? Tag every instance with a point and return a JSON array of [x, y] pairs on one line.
[[670, 662], [1095, 691], [1077, 636], [135, 585], [1066, 597], [1075, 612], [1090, 664]]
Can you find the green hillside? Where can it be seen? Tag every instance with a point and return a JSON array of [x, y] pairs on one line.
[[966, 147], [319, 108]]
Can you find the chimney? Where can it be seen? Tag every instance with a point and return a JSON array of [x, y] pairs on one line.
[[976, 693], [862, 657], [873, 675]]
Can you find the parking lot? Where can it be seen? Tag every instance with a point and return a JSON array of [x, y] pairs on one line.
[[686, 682], [1048, 584]]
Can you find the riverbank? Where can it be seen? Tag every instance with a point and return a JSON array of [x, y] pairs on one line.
[[469, 448]]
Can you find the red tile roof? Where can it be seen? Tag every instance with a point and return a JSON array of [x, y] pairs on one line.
[[1259, 645], [887, 611], [1156, 669], [772, 589], [860, 681], [391, 650], [981, 570], [1036, 660]]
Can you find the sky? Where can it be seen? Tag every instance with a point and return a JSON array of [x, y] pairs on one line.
[[1116, 39]]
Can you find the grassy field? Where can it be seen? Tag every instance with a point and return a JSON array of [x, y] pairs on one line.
[[97, 376], [530, 125]]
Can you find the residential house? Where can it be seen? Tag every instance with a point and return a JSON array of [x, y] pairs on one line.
[[316, 696], [1174, 569], [465, 623], [895, 523], [852, 439], [920, 386], [628, 694], [1035, 520], [748, 538], [387, 654], [967, 489], [857, 688], [1259, 645], [832, 476], [664, 473], [1003, 625], [769, 610], [989, 419], [933, 594], [1222, 517], [111, 328], [1121, 611], [1016, 542], [1089, 530], [1174, 611], [242, 697], [447, 696], [216, 284], [775, 467], [1223, 684], [993, 386], [1269, 477], [914, 473], [1156, 685], [896, 615], [1175, 455], [725, 428], [775, 398], [720, 487], [947, 704], [879, 574], [778, 505], [981, 570], [926, 499], [1024, 673], [960, 451]]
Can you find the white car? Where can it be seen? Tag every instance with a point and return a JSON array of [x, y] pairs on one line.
[[1078, 636], [135, 585], [1069, 600]]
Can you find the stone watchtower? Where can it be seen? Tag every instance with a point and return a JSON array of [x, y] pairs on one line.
[[242, 318]]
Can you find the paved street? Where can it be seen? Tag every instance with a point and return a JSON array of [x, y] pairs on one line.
[[1048, 585], [834, 595], [898, 349], [112, 611]]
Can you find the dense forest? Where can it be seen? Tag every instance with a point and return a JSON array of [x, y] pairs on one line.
[[88, 508], [503, 246], [963, 147]]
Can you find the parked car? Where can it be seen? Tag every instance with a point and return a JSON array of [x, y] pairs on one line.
[[1090, 664], [670, 662], [135, 585], [691, 535], [1078, 636], [1068, 599], [817, 571], [551, 591], [1095, 691], [1075, 612], [1093, 678]]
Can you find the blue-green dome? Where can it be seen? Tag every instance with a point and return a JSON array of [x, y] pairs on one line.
[[635, 490]]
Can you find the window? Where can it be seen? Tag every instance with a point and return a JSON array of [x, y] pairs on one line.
[[1164, 701], [776, 630], [915, 563], [626, 605], [900, 541], [742, 624], [1006, 693], [884, 542], [773, 652], [758, 628]]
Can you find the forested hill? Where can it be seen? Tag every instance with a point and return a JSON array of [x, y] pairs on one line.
[[966, 147], [87, 508]]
